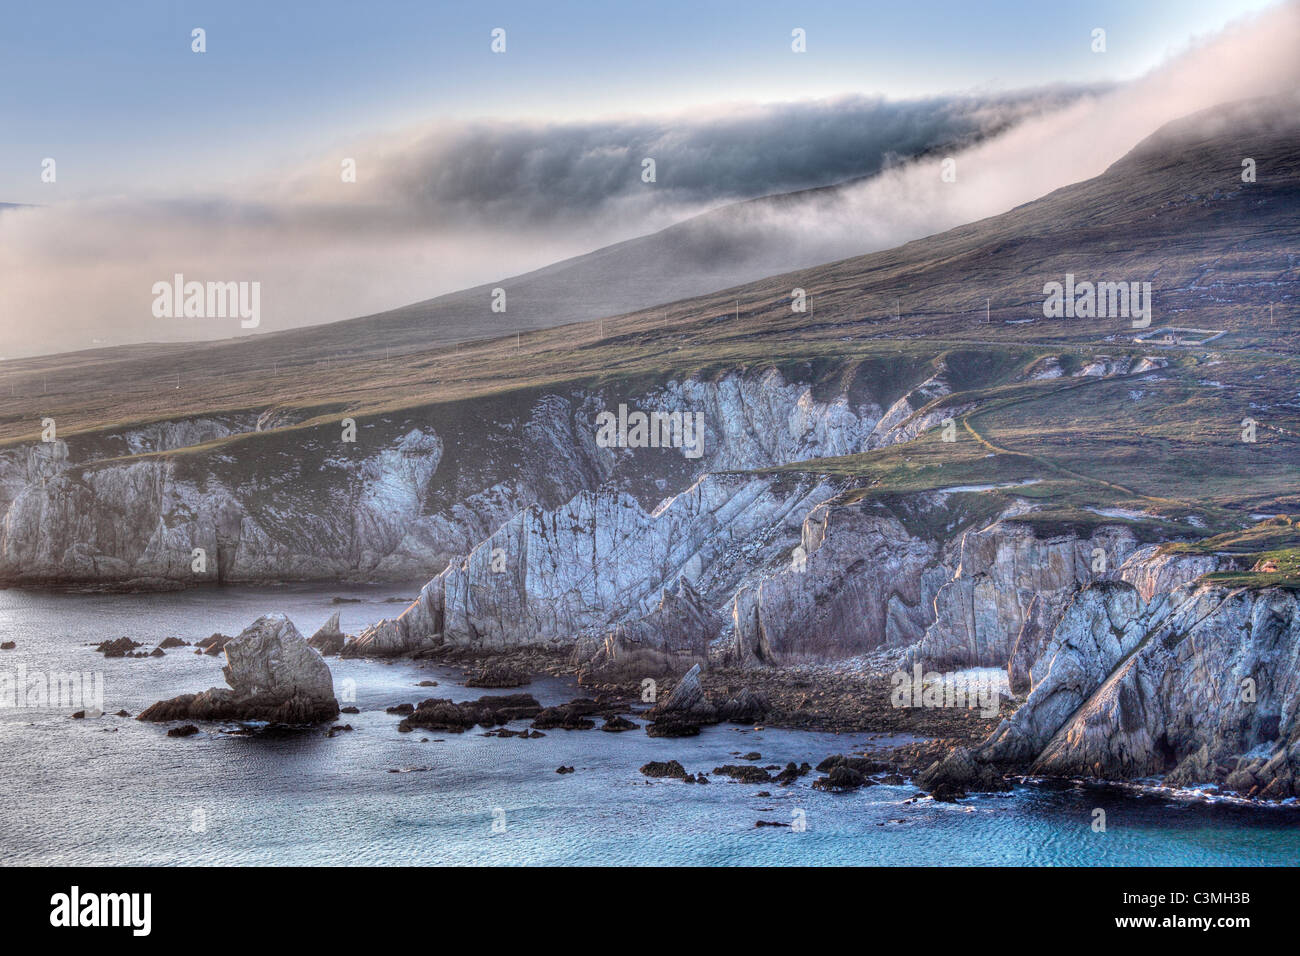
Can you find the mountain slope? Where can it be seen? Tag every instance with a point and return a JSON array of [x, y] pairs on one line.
[[247, 455]]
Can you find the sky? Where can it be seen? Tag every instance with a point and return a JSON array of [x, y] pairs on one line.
[[113, 91], [474, 166]]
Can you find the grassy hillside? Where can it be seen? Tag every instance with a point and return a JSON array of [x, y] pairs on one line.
[[1165, 442]]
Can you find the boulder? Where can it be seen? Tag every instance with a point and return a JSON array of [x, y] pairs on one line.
[[273, 676], [841, 779], [213, 644], [669, 727], [618, 724], [574, 715], [959, 772], [687, 702], [671, 768]]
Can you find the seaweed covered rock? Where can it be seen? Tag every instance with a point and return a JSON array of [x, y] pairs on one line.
[[575, 715], [670, 768], [491, 711], [959, 772]]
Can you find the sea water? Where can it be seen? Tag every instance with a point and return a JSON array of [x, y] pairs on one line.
[[112, 790]]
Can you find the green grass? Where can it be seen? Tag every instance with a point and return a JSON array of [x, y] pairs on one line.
[[1271, 548]]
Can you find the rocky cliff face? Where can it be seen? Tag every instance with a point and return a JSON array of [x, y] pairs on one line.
[[268, 501], [600, 560], [857, 581], [1200, 685], [1001, 570], [757, 571]]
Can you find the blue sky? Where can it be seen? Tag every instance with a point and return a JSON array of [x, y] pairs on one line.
[[113, 92]]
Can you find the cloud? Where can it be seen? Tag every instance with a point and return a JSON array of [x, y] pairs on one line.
[[559, 174], [451, 207]]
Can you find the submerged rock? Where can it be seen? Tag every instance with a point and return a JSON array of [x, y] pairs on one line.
[[744, 773], [273, 676], [791, 773]]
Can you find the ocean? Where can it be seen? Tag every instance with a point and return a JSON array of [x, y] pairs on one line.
[[111, 790]]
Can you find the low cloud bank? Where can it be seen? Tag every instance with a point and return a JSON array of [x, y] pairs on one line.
[[434, 211]]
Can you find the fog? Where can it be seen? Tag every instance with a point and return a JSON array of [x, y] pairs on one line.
[[447, 207]]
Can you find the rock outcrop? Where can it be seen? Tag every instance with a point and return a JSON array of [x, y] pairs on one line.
[[1200, 685], [329, 639], [686, 706], [1001, 569], [669, 640], [117, 507], [273, 676], [490, 711], [857, 581], [499, 674], [555, 579]]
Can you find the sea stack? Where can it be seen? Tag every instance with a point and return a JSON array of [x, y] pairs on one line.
[[273, 676]]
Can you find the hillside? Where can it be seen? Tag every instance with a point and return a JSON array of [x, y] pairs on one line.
[[239, 443]]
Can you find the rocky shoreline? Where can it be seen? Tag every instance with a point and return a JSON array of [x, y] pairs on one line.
[[1177, 664]]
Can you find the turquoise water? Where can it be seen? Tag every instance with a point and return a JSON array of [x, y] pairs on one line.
[[112, 790]]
